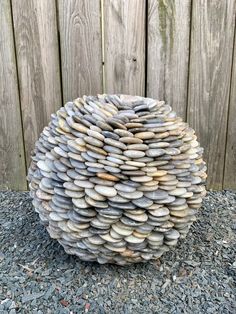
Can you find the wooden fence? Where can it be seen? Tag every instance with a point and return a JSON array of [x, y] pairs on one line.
[[182, 51]]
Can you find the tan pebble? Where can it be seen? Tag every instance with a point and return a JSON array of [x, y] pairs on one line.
[[145, 135], [107, 176]]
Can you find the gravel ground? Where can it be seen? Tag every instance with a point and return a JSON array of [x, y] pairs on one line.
[[198, 276]]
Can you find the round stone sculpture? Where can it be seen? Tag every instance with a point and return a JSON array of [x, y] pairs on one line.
[[117, 178]]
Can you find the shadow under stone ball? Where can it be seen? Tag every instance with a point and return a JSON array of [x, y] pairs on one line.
[[117, 178]]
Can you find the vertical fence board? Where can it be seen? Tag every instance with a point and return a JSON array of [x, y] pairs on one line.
[[38, 64], [210, 69], [12, 159], [168, 52], [81, 47], [124, 46], [230, 158]]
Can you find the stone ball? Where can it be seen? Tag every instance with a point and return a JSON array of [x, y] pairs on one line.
[[117, 178]]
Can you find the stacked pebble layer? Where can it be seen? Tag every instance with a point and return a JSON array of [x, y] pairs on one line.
[[117, 178]]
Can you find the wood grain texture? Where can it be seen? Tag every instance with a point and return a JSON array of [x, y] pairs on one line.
[[168, 28], [230, 158], [212, 36], [81, 47], [38, 64], [12, 159], [124, 46]]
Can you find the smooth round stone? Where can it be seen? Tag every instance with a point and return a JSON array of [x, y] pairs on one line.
[[172, 235], [60, 152], [124, 188], [132, 239], [71, 186], [43, 166], [142, 202], [97, 240], [178, 192], [154, 220], [80, 203], [98, 224], [84, 184], [134, 153], [108, 220], [76, 226], [55, 217], [131, 183], [95, 134], [94, 195], [94, 156], [106, 162], [112, 150], [158, 173], [124, 206], [104, 126], [135, 163], [94, 203], [145, 135], [167, 200], [123, 133], [115, 160], [140, 235], [100, 181], [133, 173], [106, 190], [112, 169], [47, 183], [107, 176], [160, 212], [131, 195], [179, 201], [74, 194], [118, 199], [140, 218], [93, 141], [155, 236], [115, 235], [111, 211], [122, 231], [131, 140], [141, 178], [97, 150], [146, 188], [115, 249], [88, 212], [155, 152], [156, 195], [159, 145], [128, 167], [111, 135], [137, 147], [136, 211], [130, 222], [115, 143], [107, 237], [144, 159]]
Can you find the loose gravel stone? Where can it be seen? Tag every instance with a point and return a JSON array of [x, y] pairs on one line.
[[198, 276]]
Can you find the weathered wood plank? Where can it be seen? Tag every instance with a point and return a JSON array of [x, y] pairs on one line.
[[209, 82], [12, 159], [38, 64], [81, 47], [124, 45], [168, 28], [230, 158]]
